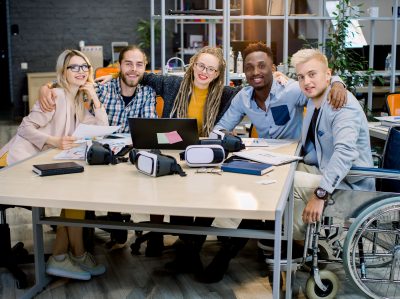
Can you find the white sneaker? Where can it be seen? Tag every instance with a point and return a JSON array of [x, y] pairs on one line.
[[88, 263], [66, 268]]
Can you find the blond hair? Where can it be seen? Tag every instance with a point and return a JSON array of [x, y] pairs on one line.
[[214, 95], [61, 69], [305, 55]]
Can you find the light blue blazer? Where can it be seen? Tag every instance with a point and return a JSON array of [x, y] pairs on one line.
[[341, 141]]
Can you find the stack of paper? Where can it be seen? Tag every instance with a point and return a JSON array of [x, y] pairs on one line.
[[263, 156], [389, 121]]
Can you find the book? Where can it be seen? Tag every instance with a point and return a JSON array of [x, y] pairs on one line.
[[263, 156], [236, 165], [57, 168]]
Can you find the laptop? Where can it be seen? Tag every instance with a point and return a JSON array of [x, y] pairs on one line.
[[163, 133]]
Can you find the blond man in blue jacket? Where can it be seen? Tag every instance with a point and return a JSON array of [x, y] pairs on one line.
[[333, 142]]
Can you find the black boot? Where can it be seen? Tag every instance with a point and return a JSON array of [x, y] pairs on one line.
[[155, 245], [187, 259]]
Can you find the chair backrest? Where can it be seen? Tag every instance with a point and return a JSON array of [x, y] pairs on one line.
[[393, 103], [253, 132], [159, 106], [102, 71], [391, 159]]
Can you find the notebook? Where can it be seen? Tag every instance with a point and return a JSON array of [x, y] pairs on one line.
[[237, 165], [57, 168], [163, 133]]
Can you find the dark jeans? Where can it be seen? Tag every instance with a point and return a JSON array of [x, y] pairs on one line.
[[196, 240]]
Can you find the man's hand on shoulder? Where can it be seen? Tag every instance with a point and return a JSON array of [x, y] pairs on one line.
[[103, 79], [337, 96], [281, 78], [47, 98]]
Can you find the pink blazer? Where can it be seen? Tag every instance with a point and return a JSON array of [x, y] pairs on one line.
[[36, 128]]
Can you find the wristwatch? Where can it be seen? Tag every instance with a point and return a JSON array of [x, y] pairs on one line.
[[321, 193]]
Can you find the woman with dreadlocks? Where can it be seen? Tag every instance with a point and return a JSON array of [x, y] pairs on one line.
[[200, 94]]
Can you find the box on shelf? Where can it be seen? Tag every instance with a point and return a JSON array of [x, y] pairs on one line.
[[277, 7], [95, 55]]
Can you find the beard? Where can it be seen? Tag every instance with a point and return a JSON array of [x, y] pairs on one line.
[[131, 83]]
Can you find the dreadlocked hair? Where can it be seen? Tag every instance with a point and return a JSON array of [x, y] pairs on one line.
[[214, 95]]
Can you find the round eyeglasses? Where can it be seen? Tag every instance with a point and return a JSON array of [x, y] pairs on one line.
[[76, 67], [201, 67]]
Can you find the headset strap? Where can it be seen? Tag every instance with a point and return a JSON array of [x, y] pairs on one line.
[[176, 168]]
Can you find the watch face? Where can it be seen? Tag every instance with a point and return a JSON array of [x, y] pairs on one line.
[[321, 193]]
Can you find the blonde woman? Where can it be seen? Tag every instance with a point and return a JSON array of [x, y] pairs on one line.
[[43, 130]]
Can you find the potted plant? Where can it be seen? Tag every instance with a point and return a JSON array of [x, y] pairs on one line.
[[349, 66], [144, 33]]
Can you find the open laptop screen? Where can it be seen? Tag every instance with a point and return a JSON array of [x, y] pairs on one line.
[[163, 133]]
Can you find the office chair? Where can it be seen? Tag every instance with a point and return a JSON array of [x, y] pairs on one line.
[[102, 71], [253, 132], [393, 103], [390, 160]]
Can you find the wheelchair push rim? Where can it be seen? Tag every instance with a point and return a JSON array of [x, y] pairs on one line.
[[371, 252]]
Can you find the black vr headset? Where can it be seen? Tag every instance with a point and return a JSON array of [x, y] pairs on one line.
[[102, 154], [154, 163]]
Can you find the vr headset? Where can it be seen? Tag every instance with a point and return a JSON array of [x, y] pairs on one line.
[[154, 163], [203, 155], [102, 154], [99, 154], [230, 143]]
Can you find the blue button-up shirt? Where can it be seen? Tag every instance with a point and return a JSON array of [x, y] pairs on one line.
[[282, 118], [143, 104]]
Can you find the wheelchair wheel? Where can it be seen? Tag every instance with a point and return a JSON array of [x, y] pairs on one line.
[[329, 279], [371, 253]]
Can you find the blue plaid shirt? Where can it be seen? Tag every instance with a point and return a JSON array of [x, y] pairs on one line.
[[143, 103]]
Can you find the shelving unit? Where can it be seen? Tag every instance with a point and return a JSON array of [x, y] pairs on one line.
[[226, 19]]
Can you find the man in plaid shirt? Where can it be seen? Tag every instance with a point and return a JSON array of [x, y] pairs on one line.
[[124, 97]]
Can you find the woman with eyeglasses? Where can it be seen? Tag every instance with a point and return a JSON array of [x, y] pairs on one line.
[[43, 130]]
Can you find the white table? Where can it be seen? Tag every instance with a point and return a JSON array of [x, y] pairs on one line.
[[377, 130], [121, 188]]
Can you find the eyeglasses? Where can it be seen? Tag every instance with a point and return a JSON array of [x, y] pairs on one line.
[[76, 67], [209, 69], [209, 170]]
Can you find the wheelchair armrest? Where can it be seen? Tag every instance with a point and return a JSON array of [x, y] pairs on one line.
[[375, 172]]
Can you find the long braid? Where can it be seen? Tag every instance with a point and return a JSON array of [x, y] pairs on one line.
[[215, 90]]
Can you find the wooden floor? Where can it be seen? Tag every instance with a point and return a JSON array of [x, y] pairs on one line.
[[130, 276]]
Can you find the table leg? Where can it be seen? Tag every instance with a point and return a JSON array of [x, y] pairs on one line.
[[41, 279]]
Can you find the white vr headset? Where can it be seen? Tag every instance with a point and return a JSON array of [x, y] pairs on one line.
[[156, 164], [204, 155]]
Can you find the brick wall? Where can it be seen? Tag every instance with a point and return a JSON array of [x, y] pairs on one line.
[[47, 27]]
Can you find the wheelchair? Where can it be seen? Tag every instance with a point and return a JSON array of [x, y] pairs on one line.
[[365, 239], [362, 233]]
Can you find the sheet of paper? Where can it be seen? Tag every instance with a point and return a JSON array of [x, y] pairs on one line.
[[173, 137], [264, 156], [162, 138], [89, 131], [116, 144], [270, 143], [395, 119], [76, 153]]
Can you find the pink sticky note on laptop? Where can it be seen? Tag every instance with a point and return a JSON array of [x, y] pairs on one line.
[[173, 137]]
